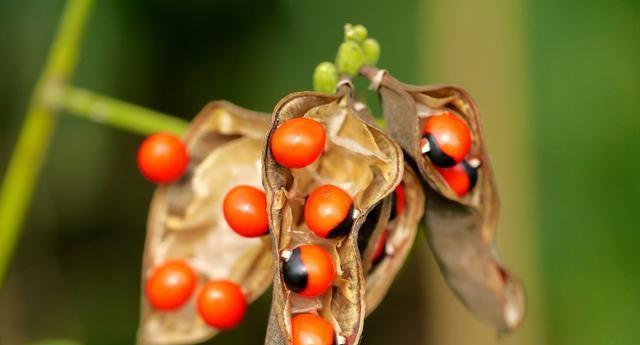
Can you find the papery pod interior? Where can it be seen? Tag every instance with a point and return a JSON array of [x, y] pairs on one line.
[[360, 159], [460, 229], [396, 235], [186, 222]]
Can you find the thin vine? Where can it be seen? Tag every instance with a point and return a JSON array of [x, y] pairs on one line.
[[52, 95]]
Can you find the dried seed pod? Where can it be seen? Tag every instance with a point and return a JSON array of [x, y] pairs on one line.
[[358, 158], [460, 229], [371, 231], [391, 240], [186, 220]]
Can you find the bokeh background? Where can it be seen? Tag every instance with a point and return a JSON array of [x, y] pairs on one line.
[[557, 82]]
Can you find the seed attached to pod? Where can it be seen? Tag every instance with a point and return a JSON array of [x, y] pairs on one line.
[[221, 304], [309, 329], [379, 254], [446, 139], [328, 212], [298, 142], [309, 271], [462, 177], [170, 286], [398, 200], [245, 210], [163, 158]]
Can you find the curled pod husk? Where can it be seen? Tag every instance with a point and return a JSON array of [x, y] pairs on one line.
[[396, 236], [186, 221], [460, 230], [360, 159], [371, 232]]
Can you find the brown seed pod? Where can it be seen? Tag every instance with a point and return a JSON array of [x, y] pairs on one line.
[[372, 230], [460, 229], [186, 221], [391, 240], [360, 159]]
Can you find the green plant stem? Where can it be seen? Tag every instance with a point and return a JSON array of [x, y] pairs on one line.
[[26, 161], [113, 112]]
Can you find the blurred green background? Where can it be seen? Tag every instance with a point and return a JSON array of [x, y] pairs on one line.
[[557, 82]]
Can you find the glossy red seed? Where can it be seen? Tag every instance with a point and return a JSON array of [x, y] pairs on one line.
[[328, 211], [163, 158], [170, 285], [451, 135], [309, 329], [320, 270], [461, 178], [221, 304], [245, 210], [298, 142]]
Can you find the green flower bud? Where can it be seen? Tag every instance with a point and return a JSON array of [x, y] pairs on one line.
[[371, 49], [356, 33], [350, 58], [325, 78]]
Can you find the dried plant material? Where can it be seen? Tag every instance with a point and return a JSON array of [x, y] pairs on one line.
[[186, 221], [460, 229], [396, 236], [371, 231], [358, 158]]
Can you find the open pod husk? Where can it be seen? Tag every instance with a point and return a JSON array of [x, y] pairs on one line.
[[460, 230], [186, 222], [400, 236], [360, 159]]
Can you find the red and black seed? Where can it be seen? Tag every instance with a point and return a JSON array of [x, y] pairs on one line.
[[472, 173], [436, 155], [294, 272], [344, 227]]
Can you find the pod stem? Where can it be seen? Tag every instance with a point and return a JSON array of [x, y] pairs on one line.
[[368, 72], [116, 113], [39, 124], [50, 95]]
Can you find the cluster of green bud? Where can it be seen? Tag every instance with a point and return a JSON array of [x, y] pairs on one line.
[[356, 51], [357, 33]]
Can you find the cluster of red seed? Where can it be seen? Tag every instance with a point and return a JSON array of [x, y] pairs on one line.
[[163, 158], [446, 140], [308, 269], [220, 303], [328, 213]]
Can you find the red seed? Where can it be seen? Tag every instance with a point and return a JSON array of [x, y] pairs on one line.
[[163, 158], [170, 285], [449, 139], [221, 304], [245, 210], [309, 329], [298, 142], [328, 212]]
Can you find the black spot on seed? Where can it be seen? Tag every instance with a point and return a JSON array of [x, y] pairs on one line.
[[472, 174], [436, 155], [294, 272], [344, 227]]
